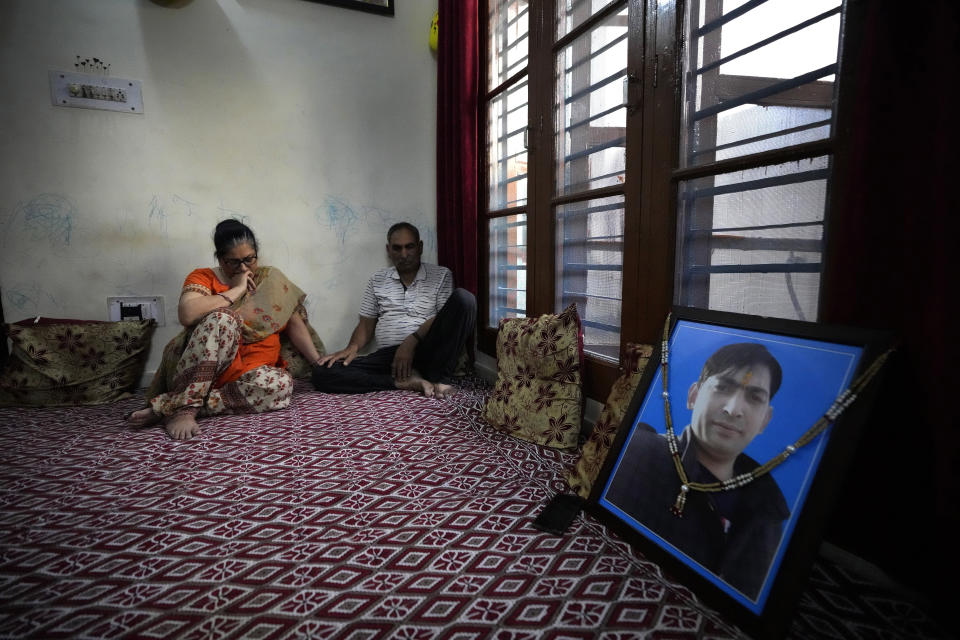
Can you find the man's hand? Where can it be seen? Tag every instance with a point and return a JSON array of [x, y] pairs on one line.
[[403, 359], [347, 355]]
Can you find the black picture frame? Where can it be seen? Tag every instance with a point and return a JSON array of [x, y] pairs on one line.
[[381, 7], [817, 362]]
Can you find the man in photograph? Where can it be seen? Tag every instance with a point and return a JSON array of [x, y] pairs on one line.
[[735, 533]]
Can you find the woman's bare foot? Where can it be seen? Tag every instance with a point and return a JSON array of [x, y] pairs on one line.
[[182, 425], [443, 391], [416, 383], [143, 417]]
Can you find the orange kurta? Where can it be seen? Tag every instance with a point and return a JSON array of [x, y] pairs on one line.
[[249, 356]]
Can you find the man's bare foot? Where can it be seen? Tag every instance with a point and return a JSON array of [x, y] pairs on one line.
[[416, 383], [143, 417], [182, 425], [443, 391]]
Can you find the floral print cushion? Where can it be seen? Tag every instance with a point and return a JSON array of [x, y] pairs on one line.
[[538, 395], [73, 362], [585, 471]]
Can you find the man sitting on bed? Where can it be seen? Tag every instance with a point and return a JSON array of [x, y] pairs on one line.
[[420, 323]]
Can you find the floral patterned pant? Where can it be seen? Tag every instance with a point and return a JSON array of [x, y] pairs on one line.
[[211, 348]]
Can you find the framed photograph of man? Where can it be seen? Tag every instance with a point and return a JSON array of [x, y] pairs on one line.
[[725, 475]]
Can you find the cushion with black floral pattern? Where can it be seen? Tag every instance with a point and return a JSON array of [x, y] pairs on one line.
[[538, 396], [58, 362]]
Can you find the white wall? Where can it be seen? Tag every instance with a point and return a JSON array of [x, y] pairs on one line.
[[312, 123]]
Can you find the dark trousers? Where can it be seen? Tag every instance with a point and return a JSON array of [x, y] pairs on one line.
[[435, 358]]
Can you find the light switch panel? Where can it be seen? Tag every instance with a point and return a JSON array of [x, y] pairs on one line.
[[136, 308], [90, 91]]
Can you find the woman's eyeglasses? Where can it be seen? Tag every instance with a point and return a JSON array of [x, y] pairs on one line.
[[234, 263]]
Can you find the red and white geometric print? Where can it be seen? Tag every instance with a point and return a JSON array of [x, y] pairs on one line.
[[370, 516]]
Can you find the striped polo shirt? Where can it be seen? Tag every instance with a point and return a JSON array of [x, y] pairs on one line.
[[401, 311]]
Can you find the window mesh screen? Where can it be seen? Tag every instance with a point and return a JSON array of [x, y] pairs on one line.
[[506, 150], [508, 268], [591, 116], [572, 13], [751, 241], [759, 78], [590, 269], [509, 28]]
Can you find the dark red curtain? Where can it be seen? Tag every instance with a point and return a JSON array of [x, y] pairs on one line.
[[890, 268], [457, 94]]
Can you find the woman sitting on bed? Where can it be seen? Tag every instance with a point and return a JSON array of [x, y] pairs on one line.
[[227, 359]]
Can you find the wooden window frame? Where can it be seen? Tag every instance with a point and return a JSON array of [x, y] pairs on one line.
[[649, 225], [653, 132]]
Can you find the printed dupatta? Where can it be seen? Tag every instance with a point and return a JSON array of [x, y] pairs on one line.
[[267, 310]]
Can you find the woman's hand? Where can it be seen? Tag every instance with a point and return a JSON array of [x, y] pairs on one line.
[[299, 335], [242, 282]]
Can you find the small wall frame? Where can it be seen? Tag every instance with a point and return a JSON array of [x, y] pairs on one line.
[[747, 550], [383, 7]]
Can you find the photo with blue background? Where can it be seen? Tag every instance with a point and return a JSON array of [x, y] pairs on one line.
[[814, 374]]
